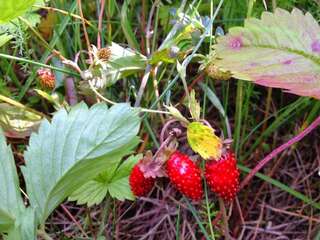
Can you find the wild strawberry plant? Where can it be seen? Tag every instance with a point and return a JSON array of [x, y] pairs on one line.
[[66, 153], [79, 154]]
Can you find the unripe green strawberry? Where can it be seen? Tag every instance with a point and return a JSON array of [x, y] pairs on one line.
[[185, 175], [139, 184], [223, 176], [216, 73]]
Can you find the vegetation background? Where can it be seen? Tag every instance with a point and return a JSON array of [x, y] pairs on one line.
[[282, 202]]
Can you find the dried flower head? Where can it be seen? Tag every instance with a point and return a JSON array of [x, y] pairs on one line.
[[46, 78], [104, 54]]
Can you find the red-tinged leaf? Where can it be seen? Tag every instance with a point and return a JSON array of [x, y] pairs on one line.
[[17, 122], [279, 50]]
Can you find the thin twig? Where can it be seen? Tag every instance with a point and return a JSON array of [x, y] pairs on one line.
[[85, 30], [113, 103], [164, 129], [67, 62], [259, 220], [63, 12], [299, 215], [240, 211], [38, 64], [225, 220], [74, 220]]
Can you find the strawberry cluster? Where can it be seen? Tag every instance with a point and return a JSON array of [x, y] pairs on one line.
[[221, 175]]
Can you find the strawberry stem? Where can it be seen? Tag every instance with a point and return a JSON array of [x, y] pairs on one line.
[[164, 129]]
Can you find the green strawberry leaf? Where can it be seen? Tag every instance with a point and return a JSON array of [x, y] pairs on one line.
[[6, 221], [73, 149], [11, 204], [11, 9], [279, 50], [12, 29], [119, 185], [15, 220], [91, 193], [114, 181], [120, 189], [25, 226]]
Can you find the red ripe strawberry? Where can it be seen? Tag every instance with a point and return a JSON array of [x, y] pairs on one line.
[[139, 184], [223, 176], [185, 175]]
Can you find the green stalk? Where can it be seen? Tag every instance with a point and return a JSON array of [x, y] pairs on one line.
[[203, 115], [10, 71], [195, 215], [104, 215], [239, 99], [2, 55], [178, 224], [208, 211], [238, 116], [150, 131], [155, 31]]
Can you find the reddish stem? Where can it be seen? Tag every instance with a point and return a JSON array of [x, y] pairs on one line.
[[71, 94], [102, 3], [278, 150], [190, 87], [143, 27]]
